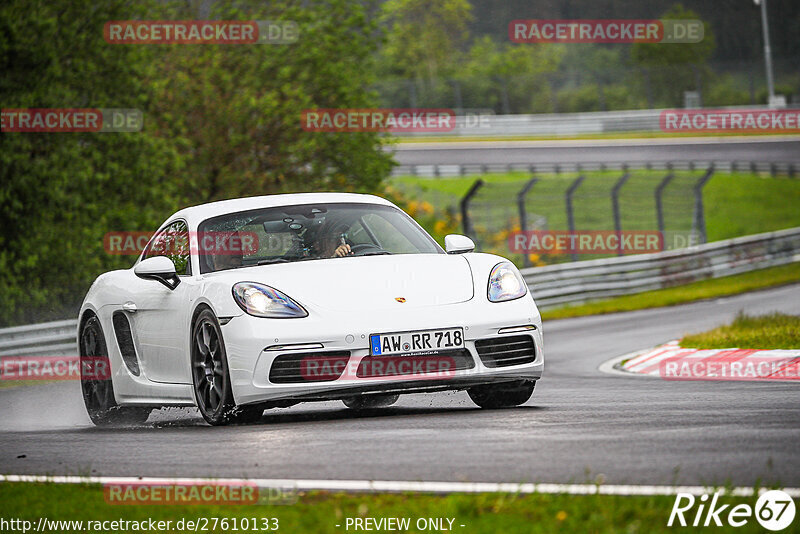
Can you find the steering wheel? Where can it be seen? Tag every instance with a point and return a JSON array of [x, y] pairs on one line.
[[363, 247]]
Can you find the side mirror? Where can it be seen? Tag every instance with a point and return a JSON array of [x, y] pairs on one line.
[[158, 268], [458, 244]]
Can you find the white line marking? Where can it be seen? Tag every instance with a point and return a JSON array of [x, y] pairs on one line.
[[391, 486]]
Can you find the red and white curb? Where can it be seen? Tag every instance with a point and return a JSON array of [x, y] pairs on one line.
[[666, 361], [409, 486]]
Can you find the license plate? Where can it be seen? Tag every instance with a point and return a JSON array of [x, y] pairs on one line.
[[416, 342]]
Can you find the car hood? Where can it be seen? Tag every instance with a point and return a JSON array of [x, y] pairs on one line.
[[372, 282]]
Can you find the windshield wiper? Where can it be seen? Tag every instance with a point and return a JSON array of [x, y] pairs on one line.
[[272, 260], [381, 253]]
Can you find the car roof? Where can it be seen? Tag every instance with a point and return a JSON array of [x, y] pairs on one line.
[[196, 214]]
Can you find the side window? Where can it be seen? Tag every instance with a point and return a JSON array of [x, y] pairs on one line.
[[172, 242]]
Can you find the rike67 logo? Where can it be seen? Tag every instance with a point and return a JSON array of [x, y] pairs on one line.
[[774, 510]]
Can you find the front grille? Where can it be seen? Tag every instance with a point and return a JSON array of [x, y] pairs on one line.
[[302, 367], [444, 364], [506, 351]]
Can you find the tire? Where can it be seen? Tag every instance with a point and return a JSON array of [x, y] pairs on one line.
[[365, 402], [96, 384], [492, 396], [210, 377]]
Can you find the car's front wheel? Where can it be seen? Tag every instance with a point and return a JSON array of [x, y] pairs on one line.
[[505, 395], [211, 379], [96, 384]]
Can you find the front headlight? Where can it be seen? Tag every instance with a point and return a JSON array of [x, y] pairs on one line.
[[264, 301], [505, 283]]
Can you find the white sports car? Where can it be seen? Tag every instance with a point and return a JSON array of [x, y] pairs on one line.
[[244, 305]]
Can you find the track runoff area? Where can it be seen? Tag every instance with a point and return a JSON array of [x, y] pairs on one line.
[[695, 506]]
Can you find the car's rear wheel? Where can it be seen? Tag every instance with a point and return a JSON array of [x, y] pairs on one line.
[[505, 395], [210, 377], [96, 384], [365, 402]]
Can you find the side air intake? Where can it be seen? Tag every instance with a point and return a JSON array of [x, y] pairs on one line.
[[122, 330]]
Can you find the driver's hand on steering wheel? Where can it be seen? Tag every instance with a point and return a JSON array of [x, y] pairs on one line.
[[342, 251]]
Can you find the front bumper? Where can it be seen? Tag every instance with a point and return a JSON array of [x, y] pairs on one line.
[[251, 344]]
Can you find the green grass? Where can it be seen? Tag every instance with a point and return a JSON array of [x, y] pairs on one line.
[[717, 287], [773, 331], [736, 204], [321, 512]]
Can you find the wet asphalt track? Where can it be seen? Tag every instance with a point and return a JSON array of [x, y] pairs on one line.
[[579, 424]]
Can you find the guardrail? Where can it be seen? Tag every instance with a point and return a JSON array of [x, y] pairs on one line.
[[773, 168], [578, 282], [44, 339], [552, 285], [559, 124]]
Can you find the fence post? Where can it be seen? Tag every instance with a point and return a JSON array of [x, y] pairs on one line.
[[570, 216], [523, 213], [698, 82], [615, 207], [457, 94], [659, 199], [648, 89], [699, 214], [412, 93], [468, 231]]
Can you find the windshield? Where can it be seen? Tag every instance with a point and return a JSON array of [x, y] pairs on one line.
[[309, 232]]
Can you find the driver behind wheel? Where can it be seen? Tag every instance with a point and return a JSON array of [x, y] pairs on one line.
[[331, 246], [330, 243]]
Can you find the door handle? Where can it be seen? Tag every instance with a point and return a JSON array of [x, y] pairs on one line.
[[129, 307]]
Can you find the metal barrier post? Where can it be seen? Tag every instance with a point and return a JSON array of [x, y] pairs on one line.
[[468, 231], [699, 214], [523, 213], [570, 216], [659, 199], [615, 207]]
